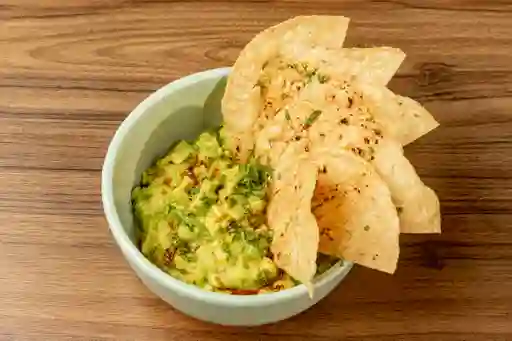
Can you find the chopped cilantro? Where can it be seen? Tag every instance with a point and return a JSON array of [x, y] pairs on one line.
[[194, 191], [260, 83], [312, 118], [209, 201], [262, 279], [323, 78]]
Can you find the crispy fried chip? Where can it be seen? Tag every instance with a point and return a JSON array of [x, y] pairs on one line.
[[353, 206], [241, 103], [405, 119], [369, 70], [354, 212], [304, 103], [296, 234], [306, 41], [418, 205], [375, 65], [346, 123], [417, 120]]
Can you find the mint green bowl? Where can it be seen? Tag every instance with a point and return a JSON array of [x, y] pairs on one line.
[[182, 110]]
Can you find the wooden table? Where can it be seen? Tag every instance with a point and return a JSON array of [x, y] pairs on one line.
[[70, 71]]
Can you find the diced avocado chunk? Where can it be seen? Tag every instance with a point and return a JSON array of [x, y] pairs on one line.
[[179, 196], [222, 135], [186, 233], [149, 175], [256, 204], [164, 231], [236, 212], [157, 240], [178, 154], [208, 145]]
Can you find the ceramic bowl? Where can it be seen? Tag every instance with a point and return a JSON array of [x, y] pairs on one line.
[[182, 110]]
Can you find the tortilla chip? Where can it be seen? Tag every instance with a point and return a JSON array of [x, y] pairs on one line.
[[375, 65], [346, 123], [354, 211], [415, 119], [296, 235], [405, 119], [241, 103], [399, 117], [418, 205], [365, 131], [301, 101]]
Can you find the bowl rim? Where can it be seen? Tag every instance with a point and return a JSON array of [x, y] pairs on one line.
[[133, 254]]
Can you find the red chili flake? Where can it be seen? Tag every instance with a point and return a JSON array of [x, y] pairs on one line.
[[358, 151], [192, 176], [169, 256], [279, 287], [244, 291]]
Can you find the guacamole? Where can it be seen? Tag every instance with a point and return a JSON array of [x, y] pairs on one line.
[[202, 218]]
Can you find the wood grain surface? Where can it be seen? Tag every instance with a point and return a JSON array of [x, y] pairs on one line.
[[70, 72]]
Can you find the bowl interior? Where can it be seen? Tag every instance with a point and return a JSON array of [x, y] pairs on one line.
[[182, 113]]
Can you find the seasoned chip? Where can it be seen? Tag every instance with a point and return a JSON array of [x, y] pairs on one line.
[[375, 65], [241, 103], [354, 212], [321, 114], [296, 235], [418, 205], [405, 119], [346, 123]]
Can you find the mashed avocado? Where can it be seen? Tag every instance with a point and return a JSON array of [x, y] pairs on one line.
[[202, 218]]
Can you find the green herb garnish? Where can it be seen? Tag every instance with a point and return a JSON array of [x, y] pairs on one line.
[[287, 115], [194, 191], [323, 78], [312, 118]]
